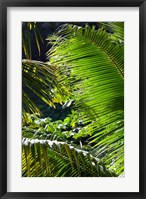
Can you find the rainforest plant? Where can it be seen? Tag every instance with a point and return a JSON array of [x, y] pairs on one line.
[[85, 71]]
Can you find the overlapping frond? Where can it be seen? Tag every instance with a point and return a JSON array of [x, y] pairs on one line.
[[52, 159], [96, 74], [117, 29], [39, 78]]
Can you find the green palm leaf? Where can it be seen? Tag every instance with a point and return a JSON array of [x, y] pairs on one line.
[[117, 29], [39, 78], [30, 29], [52, 158], [96, 74]]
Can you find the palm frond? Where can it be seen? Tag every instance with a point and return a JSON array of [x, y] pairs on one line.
[[52, 158], [39, 78], [27, 29], [96, 67], [117, 29]]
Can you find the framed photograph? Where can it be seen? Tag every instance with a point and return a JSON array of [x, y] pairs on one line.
[[72, 99]]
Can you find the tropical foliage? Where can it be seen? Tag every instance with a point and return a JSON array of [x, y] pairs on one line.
[[85, 73]]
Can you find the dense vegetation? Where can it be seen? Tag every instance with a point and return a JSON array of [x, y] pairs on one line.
[[73, 100]]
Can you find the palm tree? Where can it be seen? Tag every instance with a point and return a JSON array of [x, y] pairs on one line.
[[89, 66]]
